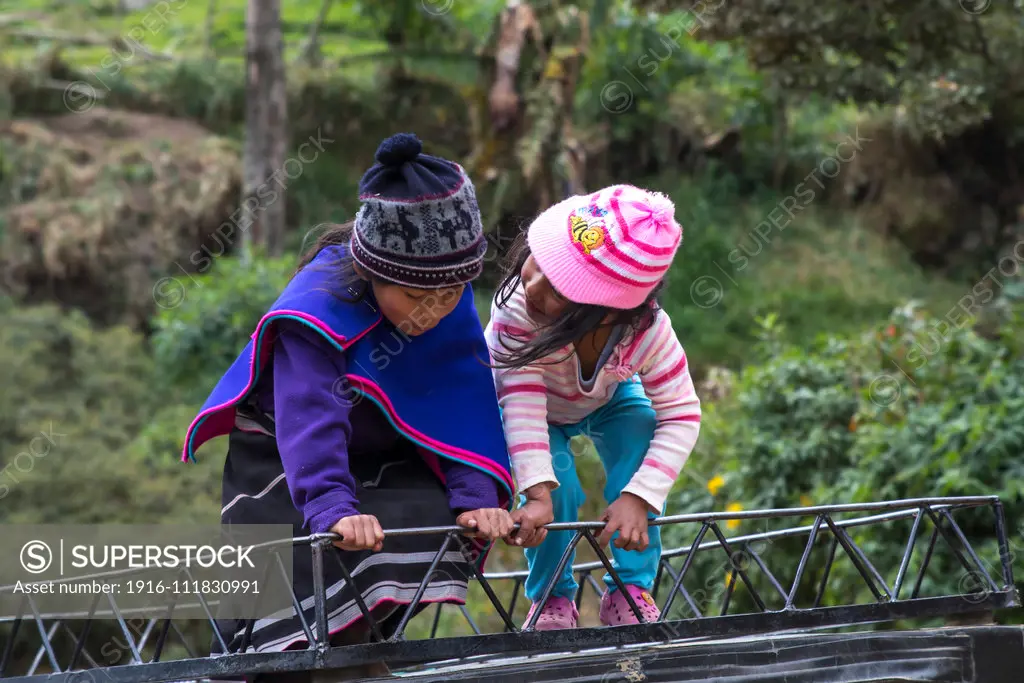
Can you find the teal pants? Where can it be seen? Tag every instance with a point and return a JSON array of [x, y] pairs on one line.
[[622, 431]]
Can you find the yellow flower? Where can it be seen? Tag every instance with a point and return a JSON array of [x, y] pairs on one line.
[[553, 69], [714, 484], [805, 501], [728, 578], [733, 507]]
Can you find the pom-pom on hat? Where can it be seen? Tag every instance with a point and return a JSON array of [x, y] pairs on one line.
[[419, 224], [610, 248]]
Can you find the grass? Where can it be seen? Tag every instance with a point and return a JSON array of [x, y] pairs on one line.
[[824, 273], [349, 38], [178, 27]]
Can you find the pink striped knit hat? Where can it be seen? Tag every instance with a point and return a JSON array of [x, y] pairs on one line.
[[610, 248]]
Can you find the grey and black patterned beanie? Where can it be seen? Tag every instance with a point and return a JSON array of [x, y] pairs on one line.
[[419, 224]]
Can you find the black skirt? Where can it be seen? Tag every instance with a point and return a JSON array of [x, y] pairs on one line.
[[398, 488]]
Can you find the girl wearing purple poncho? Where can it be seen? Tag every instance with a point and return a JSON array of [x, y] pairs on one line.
[[364, 401]]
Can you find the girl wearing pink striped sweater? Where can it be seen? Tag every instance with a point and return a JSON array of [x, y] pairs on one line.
[[580, 346]]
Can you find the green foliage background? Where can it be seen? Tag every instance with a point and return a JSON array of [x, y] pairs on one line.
[[917, 407], [793, 345]]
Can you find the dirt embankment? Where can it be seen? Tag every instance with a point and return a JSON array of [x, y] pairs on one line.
[[95, 207], [957, 205]]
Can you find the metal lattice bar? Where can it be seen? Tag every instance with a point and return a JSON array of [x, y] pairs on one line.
[[264, 578], [686, 567], [39, 654], [582, 579], [907, 553], [146, 634], [161, 639], [80, 640], [764, 569], [595, 585], [866, 562], [423, 586], [398, 649], [681, 589], [363, 609], [183, 639], [614, 574], [485, 584], [9, 646], [823, 584], [85, 653], [512, 603], [504, 644], [1005, 558], [803, 562], [762, 536], [927, 560], [79, 644], [737, 568], [247, 639], [950, 540], [550, 588], [848, 549], [728, 594], [469, 620], [144, 638], [437, 621], [47, 645], [970, 551], [319, 596], [127, 634]]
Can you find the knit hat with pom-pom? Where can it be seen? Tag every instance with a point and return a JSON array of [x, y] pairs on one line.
[[419, 224], [610, 248]]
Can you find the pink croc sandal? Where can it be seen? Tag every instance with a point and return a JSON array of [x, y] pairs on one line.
[[615, 610], [557, 613]]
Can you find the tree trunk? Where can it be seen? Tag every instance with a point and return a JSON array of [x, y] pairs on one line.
[[311, 51], [211, 15], [265, 174], [781, 137]]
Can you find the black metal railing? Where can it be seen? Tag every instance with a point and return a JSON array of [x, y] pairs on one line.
[[148, 646]]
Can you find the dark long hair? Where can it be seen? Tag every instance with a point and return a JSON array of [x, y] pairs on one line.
[[345, 283], [576, 321]]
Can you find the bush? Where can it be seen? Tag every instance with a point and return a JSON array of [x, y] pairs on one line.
[[75, 397], [921, 407], [195, 341], [58, 369]]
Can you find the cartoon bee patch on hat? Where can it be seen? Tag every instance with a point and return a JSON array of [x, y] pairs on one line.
[[586, 225]]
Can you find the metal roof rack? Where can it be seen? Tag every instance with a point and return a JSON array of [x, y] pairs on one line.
[[770, 606]]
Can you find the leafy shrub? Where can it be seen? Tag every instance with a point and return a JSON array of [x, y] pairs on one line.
[[59, 369], [191, 490], [922, 406], [195, 341], [75, 397]]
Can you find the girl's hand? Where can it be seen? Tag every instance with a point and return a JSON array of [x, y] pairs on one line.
[[359, 532], [531, 517], [490, 523], [628, 516]]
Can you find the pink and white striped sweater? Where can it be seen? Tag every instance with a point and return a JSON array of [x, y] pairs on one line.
[[546, 393]]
